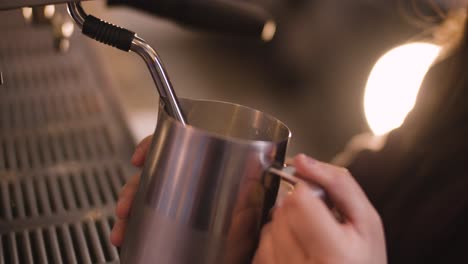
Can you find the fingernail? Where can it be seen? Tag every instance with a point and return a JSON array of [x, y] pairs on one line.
[[136, 154], [311, 160], [119, 207], [114, 237], [123, 199], [123, 189], [308, 161], [113, 231]]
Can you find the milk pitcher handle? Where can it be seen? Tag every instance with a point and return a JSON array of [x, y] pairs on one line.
[[288, 174]]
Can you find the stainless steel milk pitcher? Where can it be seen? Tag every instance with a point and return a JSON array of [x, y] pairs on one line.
[[206, 189]]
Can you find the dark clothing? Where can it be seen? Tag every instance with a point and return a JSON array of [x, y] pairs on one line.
[[419, 181]]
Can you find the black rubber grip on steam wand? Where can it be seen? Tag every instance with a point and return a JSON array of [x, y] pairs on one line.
[[107, 33]]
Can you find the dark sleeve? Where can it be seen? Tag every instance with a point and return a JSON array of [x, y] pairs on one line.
[[419, 182], [423, 202]]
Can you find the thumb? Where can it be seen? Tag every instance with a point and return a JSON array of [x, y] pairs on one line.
[[139, 156], [341, 188]]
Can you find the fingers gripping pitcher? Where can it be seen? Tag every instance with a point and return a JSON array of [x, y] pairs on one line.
[[206, 188]]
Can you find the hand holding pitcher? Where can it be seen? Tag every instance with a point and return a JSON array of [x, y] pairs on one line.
[[302, 230], [207, 189]]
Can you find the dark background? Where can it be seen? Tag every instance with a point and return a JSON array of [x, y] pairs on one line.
[[311, 76]]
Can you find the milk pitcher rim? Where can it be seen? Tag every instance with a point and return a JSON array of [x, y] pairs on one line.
[[237, 140]]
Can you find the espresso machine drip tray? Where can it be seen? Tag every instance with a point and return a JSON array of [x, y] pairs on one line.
[[64, 149]]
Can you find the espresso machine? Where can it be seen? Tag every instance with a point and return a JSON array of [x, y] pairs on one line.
[[64, 143]]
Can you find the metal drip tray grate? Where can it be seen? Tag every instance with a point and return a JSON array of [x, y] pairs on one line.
[[30, 112], [77, 242], [38, 149], [64, 150], [54, 193]]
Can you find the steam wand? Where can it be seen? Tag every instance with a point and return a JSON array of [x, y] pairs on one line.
[[127, 40]]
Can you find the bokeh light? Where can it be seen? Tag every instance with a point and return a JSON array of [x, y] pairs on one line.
[[394, 83]]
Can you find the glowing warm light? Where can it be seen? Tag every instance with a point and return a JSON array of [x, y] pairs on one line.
[[49, 11], [67, 29], [269, 31], [394, 83], [27, 13]]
